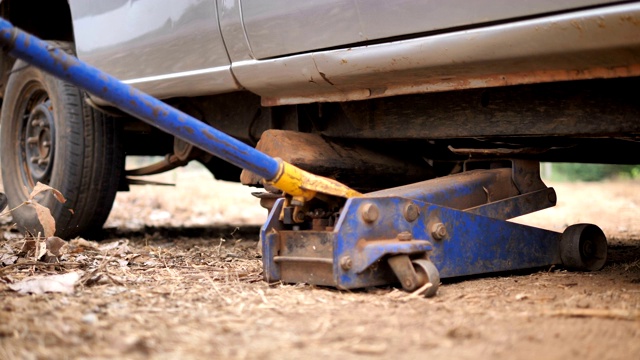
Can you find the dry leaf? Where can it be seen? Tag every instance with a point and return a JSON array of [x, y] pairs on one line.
[[116, 248], [140, 260], [33, 248], [46, 219], [56, 246], [81, 258], [8, 259], [41, 249], [27, 248], [111, 245], [122, 262], [40, 187], [63, 283], [82, 243]]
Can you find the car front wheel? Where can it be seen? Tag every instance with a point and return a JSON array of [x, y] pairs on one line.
[[49, 134]]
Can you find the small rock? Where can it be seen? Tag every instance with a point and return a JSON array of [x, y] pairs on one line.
[[90, 318], [583, 304], [461, 332]]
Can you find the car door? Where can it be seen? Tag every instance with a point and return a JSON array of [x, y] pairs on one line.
[[164, 47], [280, 27]]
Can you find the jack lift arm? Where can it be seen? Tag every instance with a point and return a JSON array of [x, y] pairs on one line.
[[413, 235]]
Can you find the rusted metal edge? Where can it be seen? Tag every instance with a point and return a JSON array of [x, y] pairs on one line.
[[461, 83]]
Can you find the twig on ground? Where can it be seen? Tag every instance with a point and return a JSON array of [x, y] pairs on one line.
[[618, 314], [418, 293], [90, 277]]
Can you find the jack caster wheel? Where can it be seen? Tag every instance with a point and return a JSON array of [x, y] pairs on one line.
[[583, 247], [427, 273]]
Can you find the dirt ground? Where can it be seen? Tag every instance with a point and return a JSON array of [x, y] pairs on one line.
[[179, 277]]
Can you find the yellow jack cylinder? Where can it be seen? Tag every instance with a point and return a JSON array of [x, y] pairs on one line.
[[304, 186]]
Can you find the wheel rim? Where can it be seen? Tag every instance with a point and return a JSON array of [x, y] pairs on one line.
[[588, 249], [593, 248], [37, 137]]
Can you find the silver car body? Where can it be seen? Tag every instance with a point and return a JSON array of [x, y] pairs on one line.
[[292, 51]]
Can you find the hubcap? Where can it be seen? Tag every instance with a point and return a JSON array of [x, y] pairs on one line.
[[38, 145]]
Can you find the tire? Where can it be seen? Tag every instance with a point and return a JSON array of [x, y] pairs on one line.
[[427, 273], [583, 247], [49, 134]]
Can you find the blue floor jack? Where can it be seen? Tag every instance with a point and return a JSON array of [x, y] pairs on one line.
[[323, 232], [416, 234]]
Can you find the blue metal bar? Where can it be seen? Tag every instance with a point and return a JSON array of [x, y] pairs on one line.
[[134, 102], [459, 191]]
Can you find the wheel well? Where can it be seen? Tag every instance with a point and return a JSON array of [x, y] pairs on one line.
[[49, 20]]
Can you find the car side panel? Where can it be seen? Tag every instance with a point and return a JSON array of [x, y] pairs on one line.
[[586, 44], [164, 47], [280, 27]]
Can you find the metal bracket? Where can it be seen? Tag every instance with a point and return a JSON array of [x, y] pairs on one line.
[[526, 176], [403, 268], [369, 252], [517, 205]]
